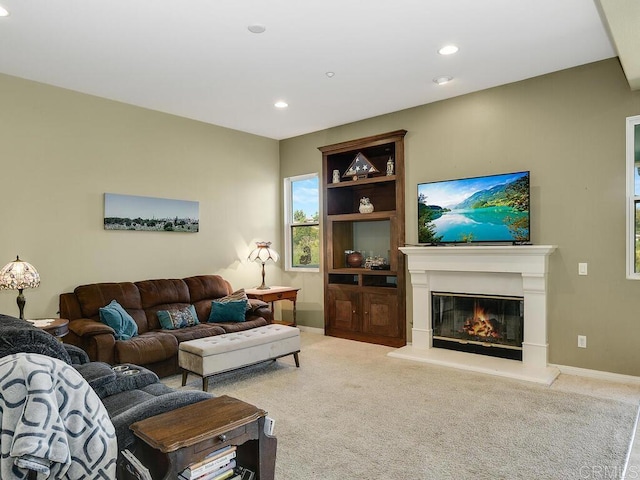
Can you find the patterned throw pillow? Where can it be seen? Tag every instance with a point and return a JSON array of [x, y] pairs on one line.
[[117, 318], [237, 295], [229, 311], [178, 318]]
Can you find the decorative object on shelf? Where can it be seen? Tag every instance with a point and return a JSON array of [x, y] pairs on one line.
[[360, 168], [389, 167], [261, 254], [354, 259], [376, 263], [18, 275], [336, 176], [365, 205], [346, 255]]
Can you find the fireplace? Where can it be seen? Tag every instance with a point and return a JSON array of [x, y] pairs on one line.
[[503, 271], [485, 324]]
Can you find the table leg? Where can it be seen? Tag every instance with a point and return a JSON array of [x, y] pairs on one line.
[[294, 312]]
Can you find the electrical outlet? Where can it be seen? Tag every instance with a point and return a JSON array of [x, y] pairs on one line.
[[582, 341]]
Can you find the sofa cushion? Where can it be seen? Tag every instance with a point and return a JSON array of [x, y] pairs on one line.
[[117, 318], [178, 318], [203, 289], [237, 295], [150, 347], [96, 374], [197, 331], [92, 297], [162, 294], [107, 380], [228, 311], [230, 327]]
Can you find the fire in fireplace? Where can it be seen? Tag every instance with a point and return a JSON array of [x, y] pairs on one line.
[[486, 324]]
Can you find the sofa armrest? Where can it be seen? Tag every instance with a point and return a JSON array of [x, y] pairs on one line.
[[255, 303], [260, 311], [78, 355], [85, 327], [95, 338]]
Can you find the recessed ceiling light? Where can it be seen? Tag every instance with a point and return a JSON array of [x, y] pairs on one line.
[[330, 74], [448, 50], [281, 104], [4, 12], [442, 80], [257, 28]]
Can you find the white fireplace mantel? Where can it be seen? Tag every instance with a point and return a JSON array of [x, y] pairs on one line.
[[517, 270]]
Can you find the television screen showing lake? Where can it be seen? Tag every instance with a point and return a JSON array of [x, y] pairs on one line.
[[482, 209]]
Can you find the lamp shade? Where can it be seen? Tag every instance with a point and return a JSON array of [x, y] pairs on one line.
[[261, 254], [18, 275]]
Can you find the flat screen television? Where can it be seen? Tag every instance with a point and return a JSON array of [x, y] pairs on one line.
[[492, 208]]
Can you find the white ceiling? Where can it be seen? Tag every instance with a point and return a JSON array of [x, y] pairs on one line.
[[197, 59]]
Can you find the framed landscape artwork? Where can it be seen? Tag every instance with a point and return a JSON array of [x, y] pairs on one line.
[[149, 214]]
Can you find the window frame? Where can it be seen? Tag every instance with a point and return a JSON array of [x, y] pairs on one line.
[[632, 197], [289, 224]]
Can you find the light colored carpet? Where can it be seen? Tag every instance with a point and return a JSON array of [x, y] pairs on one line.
[[352, 412]]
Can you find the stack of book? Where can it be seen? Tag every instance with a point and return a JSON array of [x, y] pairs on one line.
[[218, 465]]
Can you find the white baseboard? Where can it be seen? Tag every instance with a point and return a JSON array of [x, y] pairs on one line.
[[585, 372]]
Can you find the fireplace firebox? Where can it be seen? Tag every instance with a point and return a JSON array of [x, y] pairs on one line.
[[485, 324]]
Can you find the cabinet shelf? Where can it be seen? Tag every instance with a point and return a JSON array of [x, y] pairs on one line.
[[362, 181], [362, 271], [355, 217]]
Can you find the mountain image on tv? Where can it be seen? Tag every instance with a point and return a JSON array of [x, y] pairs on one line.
[[493, 208]]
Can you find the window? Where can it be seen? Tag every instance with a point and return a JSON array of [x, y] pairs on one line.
[[633, 197], [302, 223]]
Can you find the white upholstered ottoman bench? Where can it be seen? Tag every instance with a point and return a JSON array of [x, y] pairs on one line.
[[211, 355]]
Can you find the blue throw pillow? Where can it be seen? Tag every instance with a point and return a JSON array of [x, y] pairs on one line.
[[178, 318], [233, 311], [117, 318]]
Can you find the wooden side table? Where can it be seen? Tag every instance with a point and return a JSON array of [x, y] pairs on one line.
[[173, 440], [58, 327], [274, 294]]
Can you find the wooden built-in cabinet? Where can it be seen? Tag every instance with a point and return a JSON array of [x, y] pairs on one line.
[[361, 303]]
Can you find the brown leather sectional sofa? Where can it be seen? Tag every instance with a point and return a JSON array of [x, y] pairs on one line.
[[154, 348]]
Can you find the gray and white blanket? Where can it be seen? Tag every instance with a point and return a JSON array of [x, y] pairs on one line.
[[52, 422]]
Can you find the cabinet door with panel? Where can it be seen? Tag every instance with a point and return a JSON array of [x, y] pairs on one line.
[[380, 314], [343, 306]]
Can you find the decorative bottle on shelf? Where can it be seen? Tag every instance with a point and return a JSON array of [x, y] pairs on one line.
[[389, 167]]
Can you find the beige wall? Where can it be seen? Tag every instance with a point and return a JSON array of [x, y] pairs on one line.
[[61, 151], [568, 129]]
